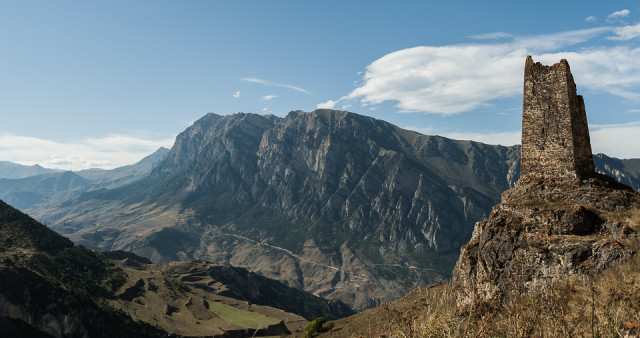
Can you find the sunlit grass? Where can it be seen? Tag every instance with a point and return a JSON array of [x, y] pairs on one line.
[[240, 317]]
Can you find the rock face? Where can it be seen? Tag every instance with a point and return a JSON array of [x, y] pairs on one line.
[[555, 135], [561, 218], [342, 205]]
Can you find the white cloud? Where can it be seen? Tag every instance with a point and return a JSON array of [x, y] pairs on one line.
[[236, 94], [617, 140], [590, 19], [446, 80], [614, 70], [329, 104], [491, 36], [105, 152], [268, 97], [633, 110], [626, 32], [457, 78], [271, 84], [617, 15]]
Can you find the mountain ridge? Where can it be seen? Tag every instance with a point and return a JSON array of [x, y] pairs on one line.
[[343, 205], [306, 180], [15, 170], [28, 192]]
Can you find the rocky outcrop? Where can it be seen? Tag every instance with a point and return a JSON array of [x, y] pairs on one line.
[[561, 218], [544, 231]]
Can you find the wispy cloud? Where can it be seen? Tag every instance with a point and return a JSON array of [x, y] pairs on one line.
[[236, 94], [491, 36], [271, 84], [590, 19], [103, 152], [560, 40], [626, 32], [618, 15], [268, 97], [457, 78]]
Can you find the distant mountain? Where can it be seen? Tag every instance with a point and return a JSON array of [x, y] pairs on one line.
[[339, 204], [624, 171], [24, 193], [15, 170], [114, 178], [49, 287], [37, 191]]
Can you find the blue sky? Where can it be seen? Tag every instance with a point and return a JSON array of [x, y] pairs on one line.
[[101, 84]]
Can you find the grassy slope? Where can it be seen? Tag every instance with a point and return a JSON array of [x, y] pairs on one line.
[[240, 317], [606, 305], [190, 308]]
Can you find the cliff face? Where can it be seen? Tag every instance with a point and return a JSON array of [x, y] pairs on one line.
[[335, 167], [544, 231], [345, 206]]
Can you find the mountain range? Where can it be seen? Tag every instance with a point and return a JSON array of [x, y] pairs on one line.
[[15, 170], [25, 187], [342, 205]]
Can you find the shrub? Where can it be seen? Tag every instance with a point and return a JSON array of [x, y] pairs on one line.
[[316, 326]]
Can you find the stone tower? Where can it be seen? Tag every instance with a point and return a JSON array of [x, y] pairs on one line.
[[555, 134]]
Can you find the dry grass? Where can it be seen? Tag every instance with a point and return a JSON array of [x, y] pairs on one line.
[[432, 315], [605, 305]]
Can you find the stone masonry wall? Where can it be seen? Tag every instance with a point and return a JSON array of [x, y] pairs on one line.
[[555, 134]]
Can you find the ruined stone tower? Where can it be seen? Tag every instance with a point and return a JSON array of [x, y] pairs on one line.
[[555, 135]]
